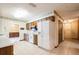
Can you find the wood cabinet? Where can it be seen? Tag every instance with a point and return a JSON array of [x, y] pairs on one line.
[[30, 25], [35, 39], [6, 50]]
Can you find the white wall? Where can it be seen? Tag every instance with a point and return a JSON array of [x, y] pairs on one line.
[[7, 24], [71, 29], [1, 30]]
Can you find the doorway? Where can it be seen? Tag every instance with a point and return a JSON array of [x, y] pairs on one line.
[[60, 32]]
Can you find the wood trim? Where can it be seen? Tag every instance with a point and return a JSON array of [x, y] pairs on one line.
[[58, 14], [78, 28]]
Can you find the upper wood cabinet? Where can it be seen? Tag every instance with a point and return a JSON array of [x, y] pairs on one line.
[[30, 25]]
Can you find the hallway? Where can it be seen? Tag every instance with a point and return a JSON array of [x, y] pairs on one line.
[[67, 47]]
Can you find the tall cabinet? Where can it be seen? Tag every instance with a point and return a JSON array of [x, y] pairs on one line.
[[46, 33]]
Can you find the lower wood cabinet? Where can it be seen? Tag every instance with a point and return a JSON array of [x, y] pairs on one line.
[[6, 50]]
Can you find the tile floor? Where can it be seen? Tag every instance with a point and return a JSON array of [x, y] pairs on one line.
[[26, 48], [67, 47]]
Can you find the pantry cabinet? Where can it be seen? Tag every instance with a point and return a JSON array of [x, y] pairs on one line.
[[46, 36]]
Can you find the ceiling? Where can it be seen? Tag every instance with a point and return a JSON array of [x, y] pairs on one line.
[[40, 10]]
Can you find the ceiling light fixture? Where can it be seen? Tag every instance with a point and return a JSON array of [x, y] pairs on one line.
[[20, 13]]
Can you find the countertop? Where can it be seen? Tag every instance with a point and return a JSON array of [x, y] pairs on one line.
[[4, 42]]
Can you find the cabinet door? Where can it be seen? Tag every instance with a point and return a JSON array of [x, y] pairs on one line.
[[1, 26], [45, 34], [39, 24], [31, 38], [43, 37]]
